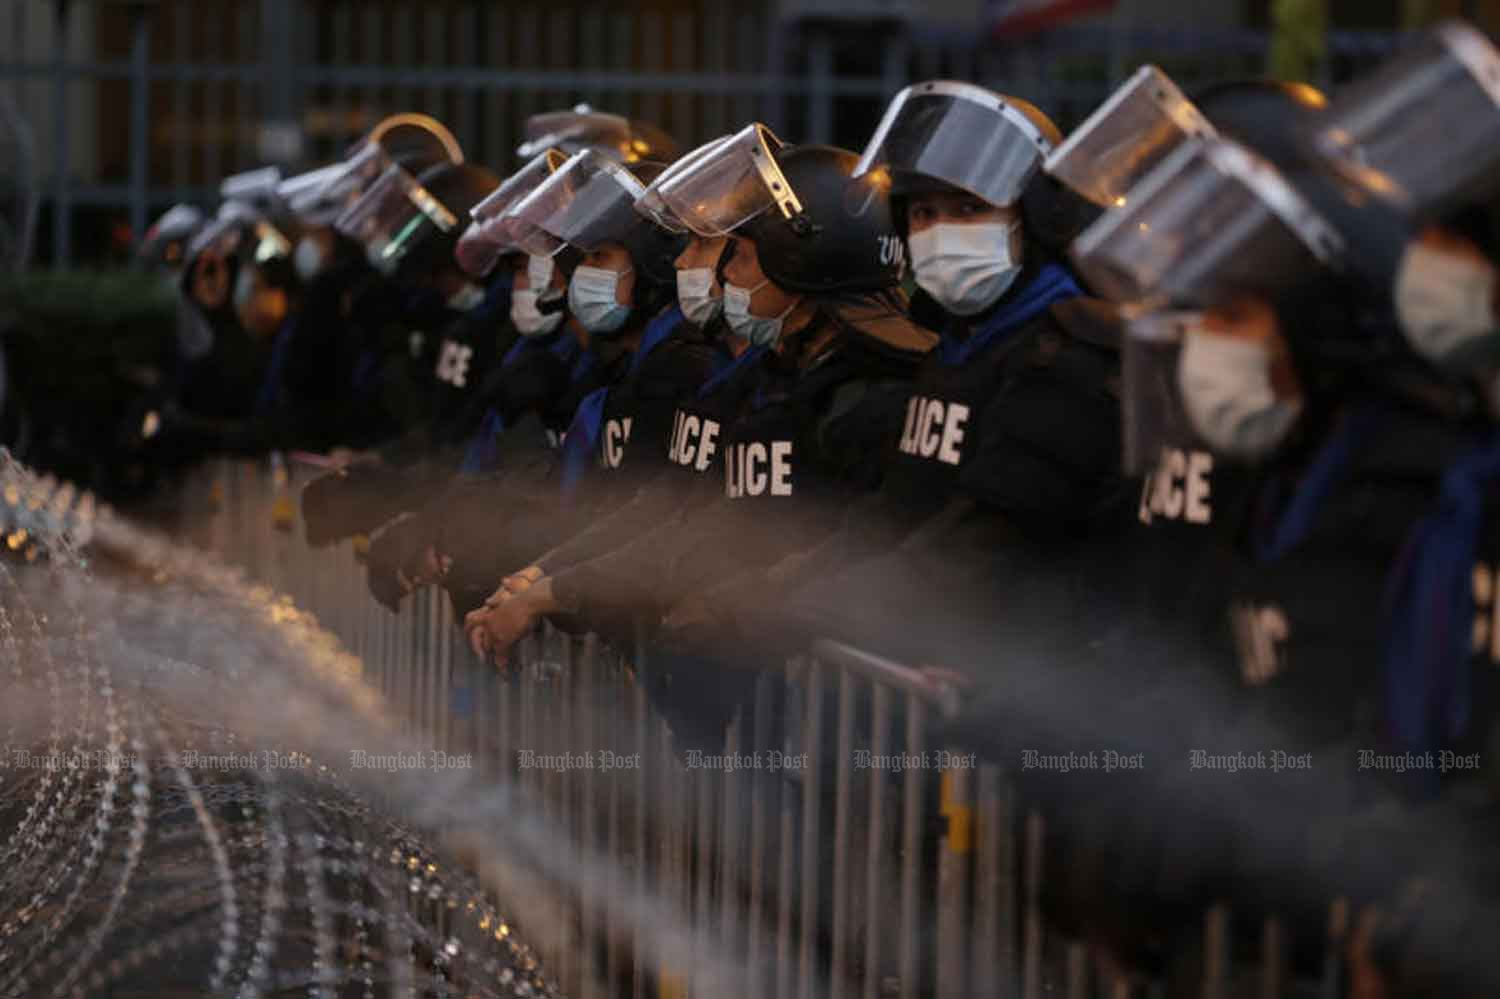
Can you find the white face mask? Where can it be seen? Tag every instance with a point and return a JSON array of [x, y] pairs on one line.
[[1446, 304], [759, 330], [592, 299], [966, 268], [308, 259], [527, 318], [1226, 389], [695, 294], [466, 299]]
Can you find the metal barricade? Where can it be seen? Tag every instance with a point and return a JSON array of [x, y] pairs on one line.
[[811, 853]]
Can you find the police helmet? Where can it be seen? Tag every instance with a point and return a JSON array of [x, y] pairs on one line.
[[625, 140], [409, 225], [165, 244]]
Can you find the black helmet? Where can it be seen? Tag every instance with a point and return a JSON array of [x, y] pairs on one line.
[[459, 187], [653, 251], [165, 244], [1273, 119], [843, 239], [409, 225], [626, 140]]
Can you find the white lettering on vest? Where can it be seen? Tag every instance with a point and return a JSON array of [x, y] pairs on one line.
[[1260, 633], [754, 469], [934, 429], [1178, 488], [453, 363], [694, 441], [616, 436]]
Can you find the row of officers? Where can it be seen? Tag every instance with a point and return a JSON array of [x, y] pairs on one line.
[[1173, 437]]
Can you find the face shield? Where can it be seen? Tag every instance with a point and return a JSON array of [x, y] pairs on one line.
[[393, 216], [1153, 417], [584, 128], [1139, 126], [651, 204], [321, 197], [728, 185], [1213, 221], [962, 135], [488, 238], [253, 187], [589, 201], [1424, 131]]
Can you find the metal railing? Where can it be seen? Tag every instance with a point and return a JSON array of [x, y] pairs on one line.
[[800, 871]]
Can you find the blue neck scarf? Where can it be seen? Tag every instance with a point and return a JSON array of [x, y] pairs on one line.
[[751, 356], [1431, 609], [1283, 533], [1052, 284], [581, 440], [270, 389]]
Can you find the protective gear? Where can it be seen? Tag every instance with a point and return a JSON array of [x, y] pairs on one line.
[[1446, 304], [967, 267], [963, 136], [650, 203], [1226, 389], [828, 233], [466, 299], [165, 245], [587, 202], [486, 241], [761, 331], [592, 298], [308, 259], [1137, 127], [409, 225], [695, 294], [1423, 131], [623, 139], [1212, 222], [414, 141]]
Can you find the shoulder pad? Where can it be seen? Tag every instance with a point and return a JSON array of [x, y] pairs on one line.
[[1092, 320]]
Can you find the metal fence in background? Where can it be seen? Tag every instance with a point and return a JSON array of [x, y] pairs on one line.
[[812, 878], [144, 102]]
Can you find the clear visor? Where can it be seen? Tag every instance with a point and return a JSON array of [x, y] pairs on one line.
[[1152, 415], [589, 201], [341, 185], [1139, 126], [254, 186], [302, 193], [1213, 221], [1424, 130], [394, 215], [729, 184], [488, 239], [653, 206], [962, 135], [575, 131]]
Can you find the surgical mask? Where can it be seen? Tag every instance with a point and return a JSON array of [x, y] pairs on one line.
[[759, 330], [966, 267], [592, 299], [527, 318], [695, 294], [466, 299], [308, 259], [1446, 304], [1226, 390]]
